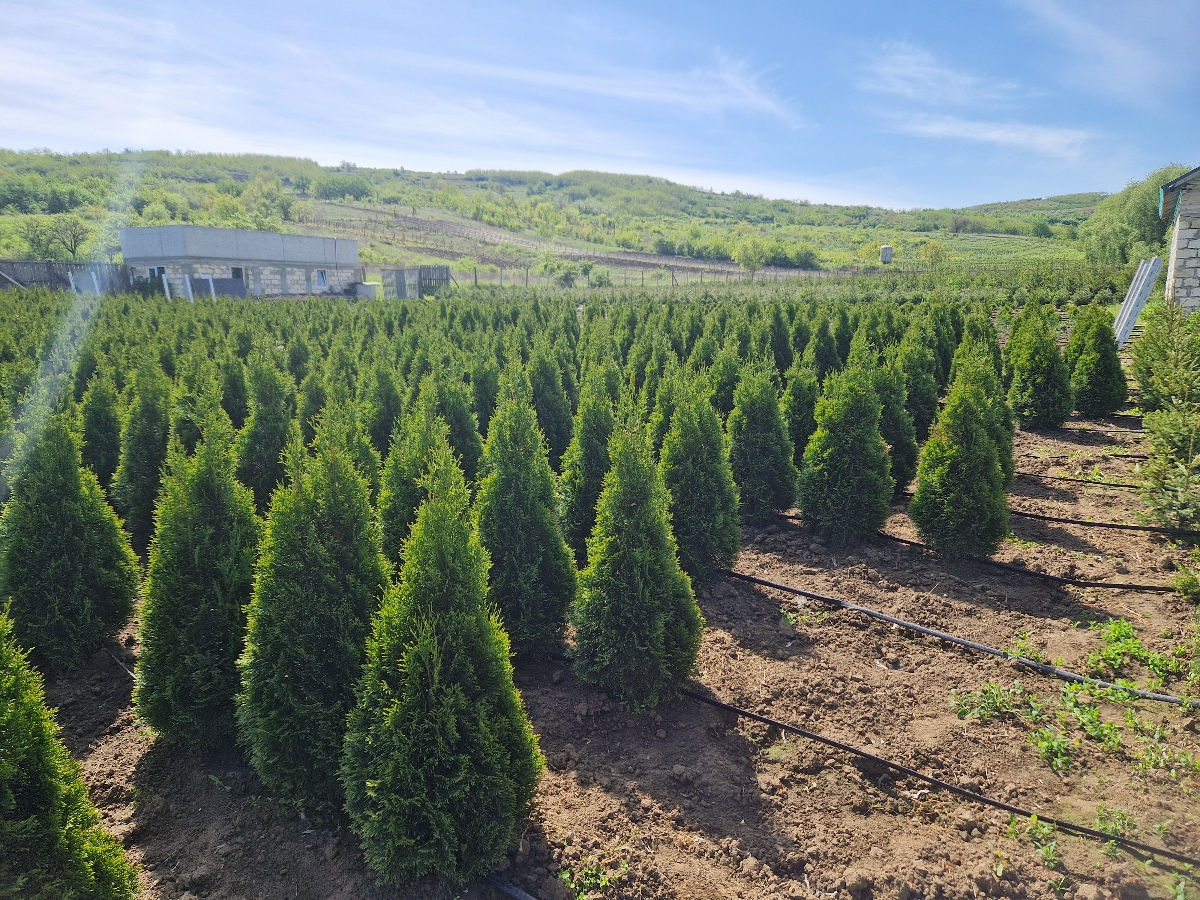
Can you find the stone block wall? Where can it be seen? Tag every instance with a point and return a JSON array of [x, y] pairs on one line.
[[1183, 271], [262, 280]]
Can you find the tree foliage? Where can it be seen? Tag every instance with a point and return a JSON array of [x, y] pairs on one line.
[[760, 450], [269, 429], [143, 452], [1040, 389], [1126, 226], [101, 415], [1097, 379], [401, 490], [583, 466]]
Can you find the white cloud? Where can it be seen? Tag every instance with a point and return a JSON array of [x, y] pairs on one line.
[[903, 70], [1063, 143]]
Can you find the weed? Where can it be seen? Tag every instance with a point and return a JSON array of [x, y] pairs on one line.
[[1076, 701], [1163, 828], [1059, 884], [592, 877], [1022, 542], [1114, 821], [1053, 745], [1023, 647], [1049, 854], [994, 700], [1121, 646]]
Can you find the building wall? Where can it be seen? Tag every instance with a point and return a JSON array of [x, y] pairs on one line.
[[1183, 271], [261, 279]]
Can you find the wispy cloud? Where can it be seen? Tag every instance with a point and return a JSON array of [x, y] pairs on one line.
[[904, 70], [1063, 143]]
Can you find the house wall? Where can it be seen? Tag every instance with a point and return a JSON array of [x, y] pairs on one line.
[[1183, 271], [261, 279]]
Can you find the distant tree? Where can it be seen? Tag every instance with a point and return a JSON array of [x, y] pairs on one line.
[[380, 402], [760, 450], [198, 584], [234, 399], [751, 252], [485, 385], [319, 578], [550, 402], [420, 432], [268, 430], [66, 567], [637, 626], [101, 415], [583, 466], [799, 408], [143, 452], [71, 233], [845, 485], [533, 573], [1126, 226], [310, 404], [821, 354], [54, 845], [703, 500], [1040, 392], [440, 762]]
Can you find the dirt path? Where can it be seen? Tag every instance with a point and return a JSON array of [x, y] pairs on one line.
[[690, 803]]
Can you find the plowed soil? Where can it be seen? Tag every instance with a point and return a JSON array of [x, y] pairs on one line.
[[691, 802]]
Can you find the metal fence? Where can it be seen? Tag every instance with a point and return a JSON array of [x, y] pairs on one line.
[[84, 277]]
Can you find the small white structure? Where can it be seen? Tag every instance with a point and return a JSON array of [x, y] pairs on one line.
[[1179, 200], [885, 254], [191, 258]]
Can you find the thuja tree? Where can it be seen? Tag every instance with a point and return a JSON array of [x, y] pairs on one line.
[[143, 452], [198, 584], [920, 382], [401, 491], [760, 450], [976, 367], [1040, 391], [52, 840], [380, 402], [637, 626], [895, 421], [821, 354], [799, 408], [101, 413], [961, 508], [699, 481], [234, 398], [550, 402], [65, 564], [1166, 356], [453, 401], [310, 404], [318, 580], [583, 466], [533, 573], [845, 483], [269, 429], [440, 763], [1097, 379]]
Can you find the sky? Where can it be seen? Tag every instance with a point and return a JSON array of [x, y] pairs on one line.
[[901, 105]]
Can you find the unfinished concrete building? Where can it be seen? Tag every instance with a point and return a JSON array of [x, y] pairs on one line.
[[196, 260], [1179, 200]]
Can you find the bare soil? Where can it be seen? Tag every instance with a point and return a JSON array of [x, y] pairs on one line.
[[689, 802]]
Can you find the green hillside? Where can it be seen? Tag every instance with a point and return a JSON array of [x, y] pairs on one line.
[[71, 205]]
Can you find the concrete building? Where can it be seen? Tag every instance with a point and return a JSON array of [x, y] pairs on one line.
[[259, 263], [1180, 200]]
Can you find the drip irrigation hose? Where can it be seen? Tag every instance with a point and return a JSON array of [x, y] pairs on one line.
[[1045, 576], [1138, 456], [509, 888], [1105, 430], [1157, 529], [1069, 827], [1111, 484], [1043, 668]]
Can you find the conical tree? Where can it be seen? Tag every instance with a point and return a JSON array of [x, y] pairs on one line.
[[1040, 392], [401, 492], [895, 421], [453, 402], [65, 564], [961, 508], [51, 840], [760, 450], [317, 583], [821, 354], [143, 452], [799, 408], [533, 574], [441, 763], [101, 430], [550, 402], [310, 404], [846, 485], [920, 383], [584, 465], [198, 584], [723, 379], [234, 398], [975, 366], [269, 429], [340, 417], [380, 402], [637, 626], [1097, 379], [703, 499]]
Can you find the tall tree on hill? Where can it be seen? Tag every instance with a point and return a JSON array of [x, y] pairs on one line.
[[584, 464], [533, 574], [52, 840], [703, 499], [845, 484], [66, 566], [637, 626], [143, 452], [318, 581], [440, 762], [198, 585], [760, 450]]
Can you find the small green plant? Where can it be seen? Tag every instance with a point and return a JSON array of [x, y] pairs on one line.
[[1023, 647], [1122, 646], [1077, 702], [592, 877], [1114, 821], [1053, 745], [994, 700], [1162, 828]]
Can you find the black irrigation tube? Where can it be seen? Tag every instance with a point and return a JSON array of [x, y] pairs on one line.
[[1135, 456], [1111, 484], [1045, 576], [1157, 529], [1069, 827], [1106, 430], [1042, 668], [509, 888]]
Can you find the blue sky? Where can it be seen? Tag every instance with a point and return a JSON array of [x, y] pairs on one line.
[[894, 104]]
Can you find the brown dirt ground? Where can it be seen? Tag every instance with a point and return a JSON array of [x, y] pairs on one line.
[[689, 802]]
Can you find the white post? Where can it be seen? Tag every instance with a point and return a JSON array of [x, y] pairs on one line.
[[166, 287], [212, 291], [71, 278], [187, 286], [95, 283]]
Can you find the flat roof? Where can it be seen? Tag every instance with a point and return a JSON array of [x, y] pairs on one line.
[[1168, 194], [200, 242]]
